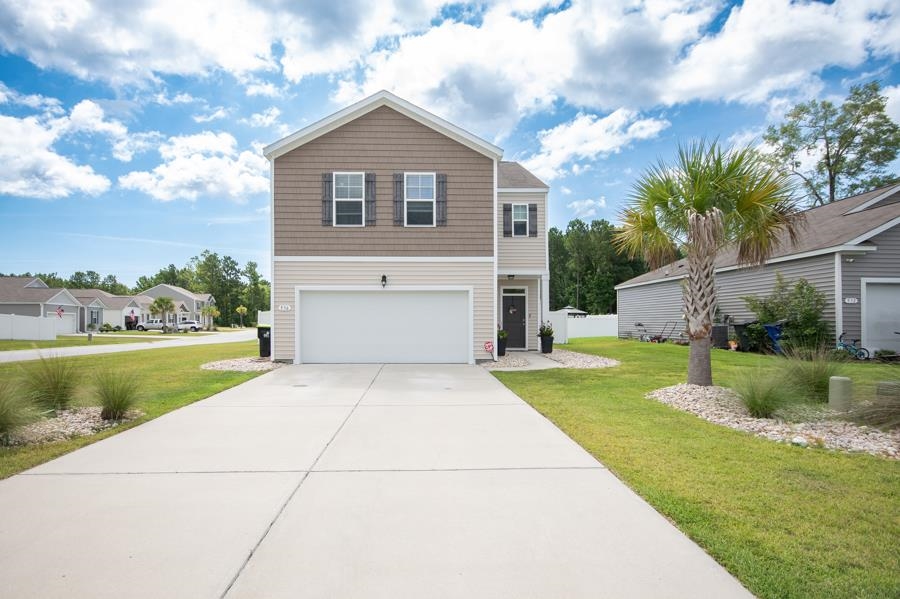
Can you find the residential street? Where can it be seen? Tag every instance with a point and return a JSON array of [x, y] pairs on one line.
[[86, 350]]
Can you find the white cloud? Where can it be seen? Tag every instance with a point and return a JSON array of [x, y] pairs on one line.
[[565, 190], [35, 101], [205, 164], [586, 209], [219, 112], [892, 107], [163, 99], [587, 137], [266, 118], [32, 169]]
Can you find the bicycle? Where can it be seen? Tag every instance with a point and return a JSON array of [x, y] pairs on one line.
[[859, 353]]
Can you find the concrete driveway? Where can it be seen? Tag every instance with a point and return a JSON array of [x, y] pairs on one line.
[[343, 481]]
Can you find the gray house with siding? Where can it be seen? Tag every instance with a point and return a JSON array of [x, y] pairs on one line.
[[849, 250]]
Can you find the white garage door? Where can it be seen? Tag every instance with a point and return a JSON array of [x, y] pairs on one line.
[[65, 325], [384, 326], [882, 316]]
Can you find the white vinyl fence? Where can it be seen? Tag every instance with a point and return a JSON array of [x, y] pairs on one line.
[[264, 317], [30, 328], [592, 325]]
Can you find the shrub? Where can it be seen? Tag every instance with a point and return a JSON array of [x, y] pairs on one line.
[[800, 307], [117, 391], [14, 410], [51, 382], [117, 328], [884, 411], [106, 328], [808, 370], [762, 395]]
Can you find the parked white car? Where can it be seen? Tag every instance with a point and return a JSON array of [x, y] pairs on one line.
[[152, 324], [189, 325]]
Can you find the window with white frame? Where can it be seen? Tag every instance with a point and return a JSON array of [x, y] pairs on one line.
[[520, 220], [418, 199], [349, 196]]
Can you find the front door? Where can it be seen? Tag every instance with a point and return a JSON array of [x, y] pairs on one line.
[[514, 320]]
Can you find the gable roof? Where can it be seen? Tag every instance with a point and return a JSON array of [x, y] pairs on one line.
[[110, 301], [25, 290], [842, 225], [203, 297], [367, 105], [512, 175]]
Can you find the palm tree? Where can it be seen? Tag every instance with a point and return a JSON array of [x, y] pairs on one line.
[[209, 313], [709, 198], [241, 310], [162, 306]]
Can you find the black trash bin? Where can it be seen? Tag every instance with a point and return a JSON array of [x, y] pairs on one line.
[[741, 331], [264, 334]]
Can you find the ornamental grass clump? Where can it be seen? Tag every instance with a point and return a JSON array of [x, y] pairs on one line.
[[884, 411], [763, 395], [117, 391], [15, 411], [50, 383], [808, 370]]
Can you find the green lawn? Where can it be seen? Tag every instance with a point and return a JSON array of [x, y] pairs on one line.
[[788, 522], [69, 341], [172, 378]]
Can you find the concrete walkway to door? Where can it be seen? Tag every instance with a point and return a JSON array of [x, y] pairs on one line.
[[344, 481]]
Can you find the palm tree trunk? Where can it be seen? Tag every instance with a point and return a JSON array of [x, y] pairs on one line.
[[700, 292]]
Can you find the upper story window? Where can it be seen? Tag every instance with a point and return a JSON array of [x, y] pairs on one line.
[[349, 199], [520, 220], [419, 199]]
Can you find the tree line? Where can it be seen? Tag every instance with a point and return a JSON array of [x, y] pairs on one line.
[[585, 267], [231, 285]]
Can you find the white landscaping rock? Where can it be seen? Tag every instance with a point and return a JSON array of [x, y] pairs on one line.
[[65, 425], [572, 359], [723, 406], [243, 365], [510, 360]]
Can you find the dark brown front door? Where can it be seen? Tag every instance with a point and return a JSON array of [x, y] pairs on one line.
[[514, 320]]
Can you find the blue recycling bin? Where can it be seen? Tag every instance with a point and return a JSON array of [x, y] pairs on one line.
[[774, 333]]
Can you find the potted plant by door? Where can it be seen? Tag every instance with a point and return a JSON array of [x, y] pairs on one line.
[[733, 342], [501, 341], [545, 332]]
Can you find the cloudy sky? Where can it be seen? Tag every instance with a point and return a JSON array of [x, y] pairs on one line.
[[131, 132]]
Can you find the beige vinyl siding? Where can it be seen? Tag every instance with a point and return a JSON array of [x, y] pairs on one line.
[[653, 305], [383, 142], [526, 253], [885, 262], [478, 275]]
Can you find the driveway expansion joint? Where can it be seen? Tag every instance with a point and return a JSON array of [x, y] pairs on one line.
[[297, 488]]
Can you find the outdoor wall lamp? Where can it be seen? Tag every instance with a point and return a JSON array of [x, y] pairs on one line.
[[383, 281]]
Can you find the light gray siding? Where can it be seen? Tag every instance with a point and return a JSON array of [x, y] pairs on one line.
[[656, 303], [732, 285], [885, 262], [653, 305], [21, 309]]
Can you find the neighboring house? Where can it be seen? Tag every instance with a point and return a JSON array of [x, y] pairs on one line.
[[188, 305], [849, 250], [90, 317], [114, 309], [399, 237], [30, 296]]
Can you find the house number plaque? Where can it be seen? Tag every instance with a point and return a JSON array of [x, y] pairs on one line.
[[285, 307]]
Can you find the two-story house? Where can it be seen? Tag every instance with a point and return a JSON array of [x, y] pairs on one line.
[[400, 237]]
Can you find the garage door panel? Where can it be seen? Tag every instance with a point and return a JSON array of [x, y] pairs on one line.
[[882, 316], [341, 326]]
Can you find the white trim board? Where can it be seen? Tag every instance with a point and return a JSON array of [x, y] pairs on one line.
[[469, 289], [367, 105], [523, 294], [838, 296], [543, 190], [384, 258], [879, 229]]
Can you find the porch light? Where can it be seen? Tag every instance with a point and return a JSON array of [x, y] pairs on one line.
[[383, 281], [510, 277]]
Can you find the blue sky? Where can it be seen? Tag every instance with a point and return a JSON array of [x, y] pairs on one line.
[[131, 133]]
